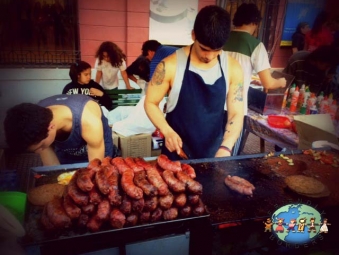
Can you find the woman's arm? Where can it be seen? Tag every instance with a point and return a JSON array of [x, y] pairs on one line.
[[126, 80]]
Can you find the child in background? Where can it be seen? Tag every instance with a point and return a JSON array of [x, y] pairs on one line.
[[110, 59], [80, 74]]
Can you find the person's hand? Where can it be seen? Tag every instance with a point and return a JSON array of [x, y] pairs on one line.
[[282, 82], [95, 92], [130, 87], [173, 142]]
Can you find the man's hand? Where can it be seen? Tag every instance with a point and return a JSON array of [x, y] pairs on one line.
[[281, 82], [173, 142]]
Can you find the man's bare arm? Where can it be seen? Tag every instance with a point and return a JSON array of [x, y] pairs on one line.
[[269, 82], [158, 87], [48, 157], [92, 131], [235, 107]]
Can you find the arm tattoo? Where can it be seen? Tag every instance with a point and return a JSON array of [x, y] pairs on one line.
[[159, 74], [239, 93]]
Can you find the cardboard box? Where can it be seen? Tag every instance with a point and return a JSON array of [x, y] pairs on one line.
[[155, 153], [270, 102], [133, 146]]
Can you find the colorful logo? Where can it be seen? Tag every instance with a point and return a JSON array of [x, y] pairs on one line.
[[297, 224]]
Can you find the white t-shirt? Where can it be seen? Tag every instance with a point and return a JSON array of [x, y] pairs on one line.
[[110, 79]]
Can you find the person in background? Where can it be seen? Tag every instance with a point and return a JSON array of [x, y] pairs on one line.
[[195, 79], [80, 74], [298, 37], [313, 68], [62, 129], [110, 60], [152, 53], [250, 53], [320, 34]]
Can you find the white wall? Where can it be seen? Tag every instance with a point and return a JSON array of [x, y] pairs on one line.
[[31, 85]]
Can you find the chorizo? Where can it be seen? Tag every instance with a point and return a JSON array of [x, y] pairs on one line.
[[189, 170], [151, 203], [185, 211], [132, 164], [156, 215], [170, 214], [193, 199], [128, 185], [84, 180], [126, 205], [166, 164], [173, 183], [114, 194], [104, 209], [117, 218], [83, 220], [144, 217], [180, 199], [56, 214], [94, 163], [198, 209], [120, 164], [239, 185], [94, 223], [141, 181], [138, 205], [165, 202], [95, 196], [78, 196], [72, 210], [155, 179], [88, 209], [192, 185], [131, 219]]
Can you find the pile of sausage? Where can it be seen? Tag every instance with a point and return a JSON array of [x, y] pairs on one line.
[[124, 192]]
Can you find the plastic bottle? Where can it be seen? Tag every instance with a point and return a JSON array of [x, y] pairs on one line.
[[310, 103], [324, 106], [294, 102], [313, 109], [307, 94], [333, 109], [301, 97], [285, 99], [289, 98], [319, 99], [330, 99]]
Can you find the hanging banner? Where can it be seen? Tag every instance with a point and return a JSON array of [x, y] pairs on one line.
[[299, 11]]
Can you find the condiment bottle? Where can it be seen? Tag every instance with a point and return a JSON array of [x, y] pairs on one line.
[[320, 98], [313, 109], [285, 99], [294, 102], [324, 107], [301, 97], [307, 94], [289, 98], [310, 102]]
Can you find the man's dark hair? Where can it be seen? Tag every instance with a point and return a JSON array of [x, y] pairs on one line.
[[246, 14], [26, 124], [77, 68], [212, 26], [149, 45]]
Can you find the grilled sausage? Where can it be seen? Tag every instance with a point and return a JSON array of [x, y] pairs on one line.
[[94, 224], [151, 203], [104, 209], [192, 185], [138, 205], [114, 194], [156, 215], [45, 220], [143, 163], [117, 218], [132, 164], [71, 209], [83, 220], [185, 211], [170, 214], [94, 163], [189, 170], [84, 180], [173, 183], [88, 209], [95, 196], [239, 185], [180, 199], [144, 217], [131, 219], [141, 181], [120, 163], [165, 202], [198, 209], [193, 199], [126, 205], [128, 186], [56, 214], [167, 164], [101, 179], [155, 179], [79, 197]]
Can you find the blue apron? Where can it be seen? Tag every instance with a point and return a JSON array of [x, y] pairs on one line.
[[198, 115]]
